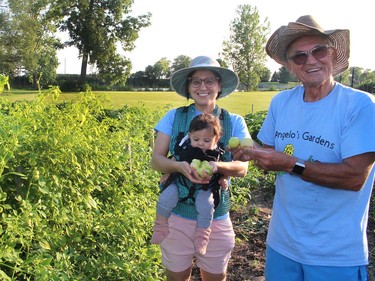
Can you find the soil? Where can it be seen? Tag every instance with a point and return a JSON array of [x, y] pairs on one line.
[[250, 226]]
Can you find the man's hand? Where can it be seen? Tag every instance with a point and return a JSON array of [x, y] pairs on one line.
[[266, 158]]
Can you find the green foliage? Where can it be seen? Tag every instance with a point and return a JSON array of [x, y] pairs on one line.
[[75, 191], [285, 76], [180, 62], [96, 28], [242, 187], [367, 87], [255, 181], [4, 81], [28, 42], [254, 122], [244, 51], [255, 178]]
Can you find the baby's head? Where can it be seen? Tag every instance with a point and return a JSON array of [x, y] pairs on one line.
[[205, 131]]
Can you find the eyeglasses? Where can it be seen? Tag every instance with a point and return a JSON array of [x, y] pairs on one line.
[[196, 82], [318, 52]]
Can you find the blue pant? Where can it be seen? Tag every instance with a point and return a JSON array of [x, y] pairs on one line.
[[281, 268]]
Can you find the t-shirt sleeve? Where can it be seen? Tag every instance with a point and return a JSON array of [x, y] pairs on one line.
[[266, 133], [239, 127], [359, 131], [165, 124]]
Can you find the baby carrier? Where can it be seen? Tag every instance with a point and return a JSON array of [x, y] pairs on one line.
[[182, 151]]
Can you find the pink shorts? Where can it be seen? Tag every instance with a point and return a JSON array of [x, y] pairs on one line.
[[178, 248]]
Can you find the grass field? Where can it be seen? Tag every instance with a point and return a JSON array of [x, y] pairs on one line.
[[238, 102]]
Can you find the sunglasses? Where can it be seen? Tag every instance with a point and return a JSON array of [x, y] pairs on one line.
[[317, 52]]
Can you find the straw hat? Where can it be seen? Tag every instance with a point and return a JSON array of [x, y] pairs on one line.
[[229, 79], [279, 42]]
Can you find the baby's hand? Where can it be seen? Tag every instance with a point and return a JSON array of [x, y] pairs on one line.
[[223, 182], [164, 178]]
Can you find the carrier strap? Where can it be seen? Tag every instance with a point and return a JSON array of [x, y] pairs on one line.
[[188, 190]]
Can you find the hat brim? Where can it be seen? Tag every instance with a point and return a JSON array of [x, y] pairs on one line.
[[229, 80], [277, 45]]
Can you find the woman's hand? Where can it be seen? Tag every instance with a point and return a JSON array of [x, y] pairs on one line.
[[192, 174]]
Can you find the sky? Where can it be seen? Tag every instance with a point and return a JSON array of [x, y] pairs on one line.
[[199, 27]]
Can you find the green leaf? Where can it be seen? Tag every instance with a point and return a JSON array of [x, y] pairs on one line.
[[44, 244]]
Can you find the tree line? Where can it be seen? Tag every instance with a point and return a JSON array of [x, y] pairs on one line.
[[29, 44], [356, 77], [29, 37]]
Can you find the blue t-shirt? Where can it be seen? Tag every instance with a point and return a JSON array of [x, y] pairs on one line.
[[313, 224]]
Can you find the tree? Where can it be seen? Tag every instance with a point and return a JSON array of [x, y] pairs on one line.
[[162, 69], [245, 49], [285, 76], [265, 74], [138, 80], [222, 63], [367, 76], [3, 16], [180, 62], [355, 74], [28, 41], [157, 74], [6, 65], [150, 76], [96, 28], [275, 77], [344, 77]]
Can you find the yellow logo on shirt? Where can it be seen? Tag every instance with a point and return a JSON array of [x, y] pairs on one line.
[[289, 149]]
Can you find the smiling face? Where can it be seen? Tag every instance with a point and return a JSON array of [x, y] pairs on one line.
[[204, 94], [315, 72]]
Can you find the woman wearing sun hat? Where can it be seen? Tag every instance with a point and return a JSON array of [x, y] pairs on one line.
[[319, 137], [204, 81]]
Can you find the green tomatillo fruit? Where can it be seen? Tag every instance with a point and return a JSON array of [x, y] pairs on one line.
[[201, 167], [246, 142], [234, 142]]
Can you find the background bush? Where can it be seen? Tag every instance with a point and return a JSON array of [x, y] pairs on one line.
[[75, 191]]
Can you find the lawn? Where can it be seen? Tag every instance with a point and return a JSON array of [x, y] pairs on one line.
[[238, 102]]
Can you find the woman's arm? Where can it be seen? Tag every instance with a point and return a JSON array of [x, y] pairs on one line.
[[233, 169], [159, 160]]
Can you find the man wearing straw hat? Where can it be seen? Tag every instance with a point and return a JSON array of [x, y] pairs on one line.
[[319, 138]]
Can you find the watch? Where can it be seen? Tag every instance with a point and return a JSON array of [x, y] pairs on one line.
[[299, 167]]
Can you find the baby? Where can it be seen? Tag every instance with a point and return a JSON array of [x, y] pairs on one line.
[[201, 143]]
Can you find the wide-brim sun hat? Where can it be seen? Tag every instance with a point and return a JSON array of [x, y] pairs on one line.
[[229, 79], [279, 42]]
